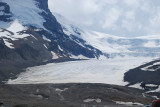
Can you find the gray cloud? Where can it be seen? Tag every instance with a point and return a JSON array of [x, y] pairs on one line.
[[116, 17]]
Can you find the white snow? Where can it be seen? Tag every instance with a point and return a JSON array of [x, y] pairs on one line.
[[68, 26], [60, 90], [26, 12], [114, 45], [4, 33], [54, 55], [14, 27], [157, 90], [34, 37], [99, 41], [60, 48], [78, 57], [45, 46], [8, 44], [156, 63], [92, 100], [46, 39], [128, 103], [147, 68], [151, 85], [155, 97], [138, 85], [23, 13], [109, 71]]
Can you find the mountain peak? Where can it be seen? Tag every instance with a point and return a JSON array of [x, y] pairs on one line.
[[31, 35]]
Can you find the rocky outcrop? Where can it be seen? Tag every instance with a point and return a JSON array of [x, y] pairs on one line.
[[147, 73]]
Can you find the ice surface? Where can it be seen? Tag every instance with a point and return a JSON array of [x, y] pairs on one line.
[[26, 12], [109, 71]]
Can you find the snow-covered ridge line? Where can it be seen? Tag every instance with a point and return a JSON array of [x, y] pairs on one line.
[[114, 45]]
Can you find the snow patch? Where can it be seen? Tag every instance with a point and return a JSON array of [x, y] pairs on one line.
[[128, 103], [54, 55], [34, 37], [157, 90], [151, 85], [92, 100], [15, 27], [60, 48], [78, 57], [138, 85], [60, 90], [44, 37], [45, 46], [8, 44], [148, 68]]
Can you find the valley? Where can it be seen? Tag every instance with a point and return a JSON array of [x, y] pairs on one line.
[[48, 61]]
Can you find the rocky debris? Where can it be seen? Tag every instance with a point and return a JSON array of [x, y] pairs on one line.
[[72, 95]]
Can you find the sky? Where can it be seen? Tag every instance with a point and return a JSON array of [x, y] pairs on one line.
[[116, 17]]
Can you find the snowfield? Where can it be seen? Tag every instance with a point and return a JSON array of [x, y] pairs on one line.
[[141, 46], [109, 71]]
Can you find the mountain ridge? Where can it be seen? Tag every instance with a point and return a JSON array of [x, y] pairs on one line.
[[141, 46], [30, 35]]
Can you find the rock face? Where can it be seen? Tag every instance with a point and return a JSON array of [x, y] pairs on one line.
[[147, 73], [30, 35]]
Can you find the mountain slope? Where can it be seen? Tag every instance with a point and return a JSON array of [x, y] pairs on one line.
[[147, 74], [114, 45], [30, 35]]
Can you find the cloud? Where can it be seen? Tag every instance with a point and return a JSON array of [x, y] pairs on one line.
[[112, 17], [117, 17]]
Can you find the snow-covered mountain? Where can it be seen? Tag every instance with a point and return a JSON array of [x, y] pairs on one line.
[[30, 35], [114, 45]]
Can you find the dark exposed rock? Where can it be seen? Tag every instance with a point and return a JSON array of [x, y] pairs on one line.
[[138, 75]]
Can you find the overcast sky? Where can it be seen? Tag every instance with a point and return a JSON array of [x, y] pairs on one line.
[[116, 17]]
